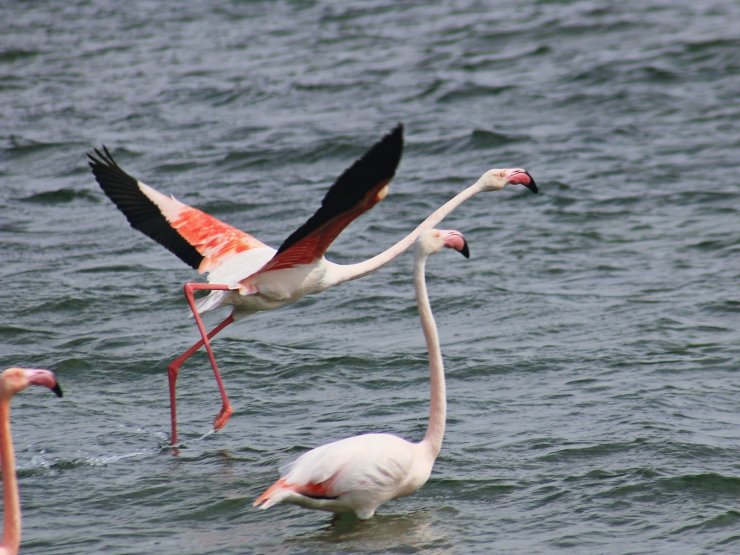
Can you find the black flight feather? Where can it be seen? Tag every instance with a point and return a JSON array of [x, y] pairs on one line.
[[141, 212], [376, 166]]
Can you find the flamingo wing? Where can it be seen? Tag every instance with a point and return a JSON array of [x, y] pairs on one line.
[[198, 239], [356, 191]]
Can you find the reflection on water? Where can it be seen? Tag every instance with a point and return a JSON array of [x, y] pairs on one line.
[[416, 531]]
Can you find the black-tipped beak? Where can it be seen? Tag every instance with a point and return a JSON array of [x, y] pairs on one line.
[[532, 186], [57, 389], [465, 251]]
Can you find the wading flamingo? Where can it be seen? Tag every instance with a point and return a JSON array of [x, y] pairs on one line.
[[249, 276], [360, 473], [12, 381]]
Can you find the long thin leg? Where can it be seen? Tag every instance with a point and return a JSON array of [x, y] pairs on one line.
[[174, 367], [174, 371]]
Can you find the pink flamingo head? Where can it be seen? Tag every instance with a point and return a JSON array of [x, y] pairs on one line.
[[433, 240], [14, 380], [496, 179]]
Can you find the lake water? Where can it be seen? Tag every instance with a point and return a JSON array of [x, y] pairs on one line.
[[592, 342]]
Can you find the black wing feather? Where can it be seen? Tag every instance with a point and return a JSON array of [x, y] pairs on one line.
[[141, 212], [377, 165]]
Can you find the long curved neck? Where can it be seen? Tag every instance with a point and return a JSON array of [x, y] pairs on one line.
[[12, 506], [347, 272], [437, 396]]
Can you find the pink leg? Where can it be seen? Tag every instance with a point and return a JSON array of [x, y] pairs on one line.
[[174, 366], [174, 370]]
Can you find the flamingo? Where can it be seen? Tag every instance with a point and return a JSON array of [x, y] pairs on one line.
[[359, 473], [249, 276], [12, 381]]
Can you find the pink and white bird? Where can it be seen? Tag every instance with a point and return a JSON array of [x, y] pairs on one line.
[[12, 381], [247, 275], [358, 474]]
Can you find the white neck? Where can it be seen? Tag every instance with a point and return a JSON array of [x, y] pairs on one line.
[[12, 506], [437, 395], [347, 272]]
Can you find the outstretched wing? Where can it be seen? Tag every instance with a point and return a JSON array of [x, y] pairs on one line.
[[357, 190], [197, 238]]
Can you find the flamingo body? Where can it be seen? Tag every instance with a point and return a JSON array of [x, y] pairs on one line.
[[274, 288], [359, 473], [356, 474]]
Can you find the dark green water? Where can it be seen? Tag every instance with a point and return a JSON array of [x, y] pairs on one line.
[[592, 342]]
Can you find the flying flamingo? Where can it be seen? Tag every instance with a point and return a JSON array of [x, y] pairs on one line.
[[12, 381], [360, 473], [250, 276]]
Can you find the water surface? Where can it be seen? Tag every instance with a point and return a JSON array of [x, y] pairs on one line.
[[591, 343]]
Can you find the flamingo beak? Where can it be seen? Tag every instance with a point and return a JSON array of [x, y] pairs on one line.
[[523, 177], [455, 240], [57, 389], [465, 251], [532, 186]]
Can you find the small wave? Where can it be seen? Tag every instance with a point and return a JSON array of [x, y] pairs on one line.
[[472, 92], [15, 54], [655, 74], [729, 306], [591, 451], [21, 146], [60, 196], [712, 244], [483, 138], [7, 331], [722, 520], [698, 196], [712, 45], [326, 151], [177, 167], [234, 161], [705, 483]]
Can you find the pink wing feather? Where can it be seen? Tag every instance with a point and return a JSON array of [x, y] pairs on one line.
[[197, 238]]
